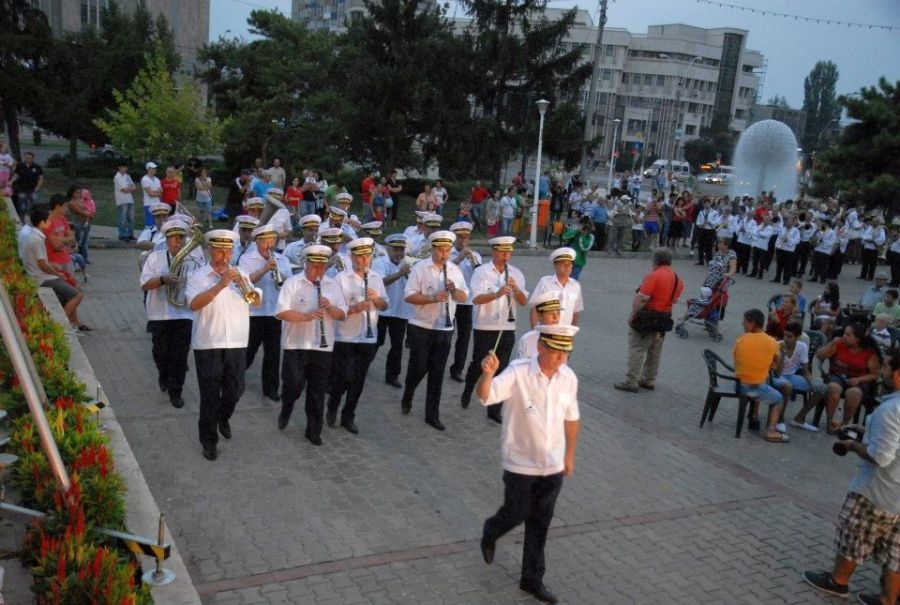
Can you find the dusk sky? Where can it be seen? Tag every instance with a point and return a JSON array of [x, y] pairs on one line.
[[790, 45]]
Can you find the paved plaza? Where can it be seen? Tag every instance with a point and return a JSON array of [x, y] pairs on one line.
[[658, 510]]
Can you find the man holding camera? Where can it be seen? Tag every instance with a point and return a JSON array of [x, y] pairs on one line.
[[869, 521]]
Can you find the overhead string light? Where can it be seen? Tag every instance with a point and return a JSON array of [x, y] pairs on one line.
[[767, 12]]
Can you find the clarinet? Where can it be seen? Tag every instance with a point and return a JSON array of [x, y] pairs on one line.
[[509, 297], [366, 293], [447, 322], [323, 344]]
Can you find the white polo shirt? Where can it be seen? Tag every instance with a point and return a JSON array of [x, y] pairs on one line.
[[467, 269], [426, 278], [534, 415], [157, 303], [788, 239], [570, 296], [493, 315], [251, 262], [397, 305], [826, 242], [299, 294], [225, 322], [353, 329]]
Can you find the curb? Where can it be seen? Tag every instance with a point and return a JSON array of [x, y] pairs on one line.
[[143, 512]]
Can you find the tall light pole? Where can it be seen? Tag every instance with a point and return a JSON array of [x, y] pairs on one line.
[[542, 106], [612, 156], [589, 106]]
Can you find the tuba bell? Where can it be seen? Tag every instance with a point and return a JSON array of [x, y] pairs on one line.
[[182, 264]]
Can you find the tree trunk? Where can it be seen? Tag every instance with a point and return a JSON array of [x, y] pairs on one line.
[[11, 119], [73, 159]]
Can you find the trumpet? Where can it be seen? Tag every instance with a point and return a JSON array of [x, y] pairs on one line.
[[277, 277], [335, 261], [251, 296]]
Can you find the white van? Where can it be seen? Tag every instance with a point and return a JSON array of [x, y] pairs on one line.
[[681, 170]]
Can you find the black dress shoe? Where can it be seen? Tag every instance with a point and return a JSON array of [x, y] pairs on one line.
[[210, 453], [351, 427], [406, 407], [487, 550], [774, 281], [330, 417], [225, 429], [464, 401], [456, 377], [272, 396], [496, 416], [163, 385], [177, 401], [283, 420], [436, 424], [393, 382], [314, 439], [539, 592]]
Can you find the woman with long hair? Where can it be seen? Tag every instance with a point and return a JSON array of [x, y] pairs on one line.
[[827, 308]]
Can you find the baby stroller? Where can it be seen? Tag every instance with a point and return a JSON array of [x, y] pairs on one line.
[[707, 313]]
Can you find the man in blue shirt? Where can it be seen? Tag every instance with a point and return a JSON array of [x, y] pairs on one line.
[[600, 216]]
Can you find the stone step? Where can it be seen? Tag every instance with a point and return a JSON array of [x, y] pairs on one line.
[[4, 439]]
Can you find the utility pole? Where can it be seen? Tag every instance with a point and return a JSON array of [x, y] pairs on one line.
[[590, 106]]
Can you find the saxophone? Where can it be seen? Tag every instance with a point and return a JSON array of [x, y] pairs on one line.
[[180, 268]]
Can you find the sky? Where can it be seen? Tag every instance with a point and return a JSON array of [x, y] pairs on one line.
[[791, 46]]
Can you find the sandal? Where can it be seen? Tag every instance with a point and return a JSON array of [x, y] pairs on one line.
[[85, 328], [781, 438]]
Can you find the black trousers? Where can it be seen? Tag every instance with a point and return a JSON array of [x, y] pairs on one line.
[[600, 236], [893, 259], [483, 342], [310, 369], [220, 376], [349, 366], [706, 238], [529, 499], [396, 328], [266, 331], [835, 264], [869, 263], [820, 265], [770, 252], [171, 344], [758, 258], [743, 257], [463, 337], [428, 352], [804, 249], [784, 265]]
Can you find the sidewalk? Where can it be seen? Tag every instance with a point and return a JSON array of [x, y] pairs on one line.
[[657, 510]]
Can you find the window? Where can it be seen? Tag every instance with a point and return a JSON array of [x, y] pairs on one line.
[[607, 75], [610, 50], [660, 80], [690, 130], [648, 79], [625, 78]]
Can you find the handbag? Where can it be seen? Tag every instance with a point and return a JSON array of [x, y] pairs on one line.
[[647, 321]]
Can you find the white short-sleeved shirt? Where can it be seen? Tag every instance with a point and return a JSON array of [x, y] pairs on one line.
[[534, 415], [299, 294], [467, 269], [796, 362], [225, 322], [121, 181], [281, 220], [570, 296], [426, 278], [493, 315], [879, 481], [251, 262], [397, 305], [527, 346], [33, 248], [353, 329], [157, 302], [152, 183]]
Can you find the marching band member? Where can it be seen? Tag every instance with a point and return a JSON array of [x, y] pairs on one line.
[[344, 200], [434, 287], [337, 218], [373, 230], [569, 289], [356, 337], [392, 321], [497, 288], [308, 305], [267, 270], [244, 226], [338, 261], [281, 220], [168, 324], [309, 230], [467, 260], [548, 305], [219, 339]]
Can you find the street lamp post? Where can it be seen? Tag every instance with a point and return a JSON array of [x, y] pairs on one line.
[[542, 106], [612, 156]]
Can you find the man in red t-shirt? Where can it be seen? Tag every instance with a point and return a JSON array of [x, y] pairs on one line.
[[367, 188], [171, 188], [478, 195], [658, 292]]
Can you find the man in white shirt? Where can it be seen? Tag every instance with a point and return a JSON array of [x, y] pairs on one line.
[[261, 263], [123, 187], [561, 281], [497, 289], [309, 305], [540, 432], [434, 287], [309, 235], [874, 237], [707, 221], [392, 320], [277, 174], [786, 251], [826, 239], [152, 188], [548, 307], [467, 260], [169, 325], [244, 225], [356, 338], [220, 331]]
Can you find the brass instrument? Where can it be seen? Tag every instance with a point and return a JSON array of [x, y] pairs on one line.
[[180, 267], [251, 296], [273, 205], [424, 252], [277, 277], [335, 262]]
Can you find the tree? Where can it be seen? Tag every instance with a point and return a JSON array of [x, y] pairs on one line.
[[779, 101], [699, 151], [562, 134], [516, 59], [155, 119], [24, 36], [819, 102], [864, 165]]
